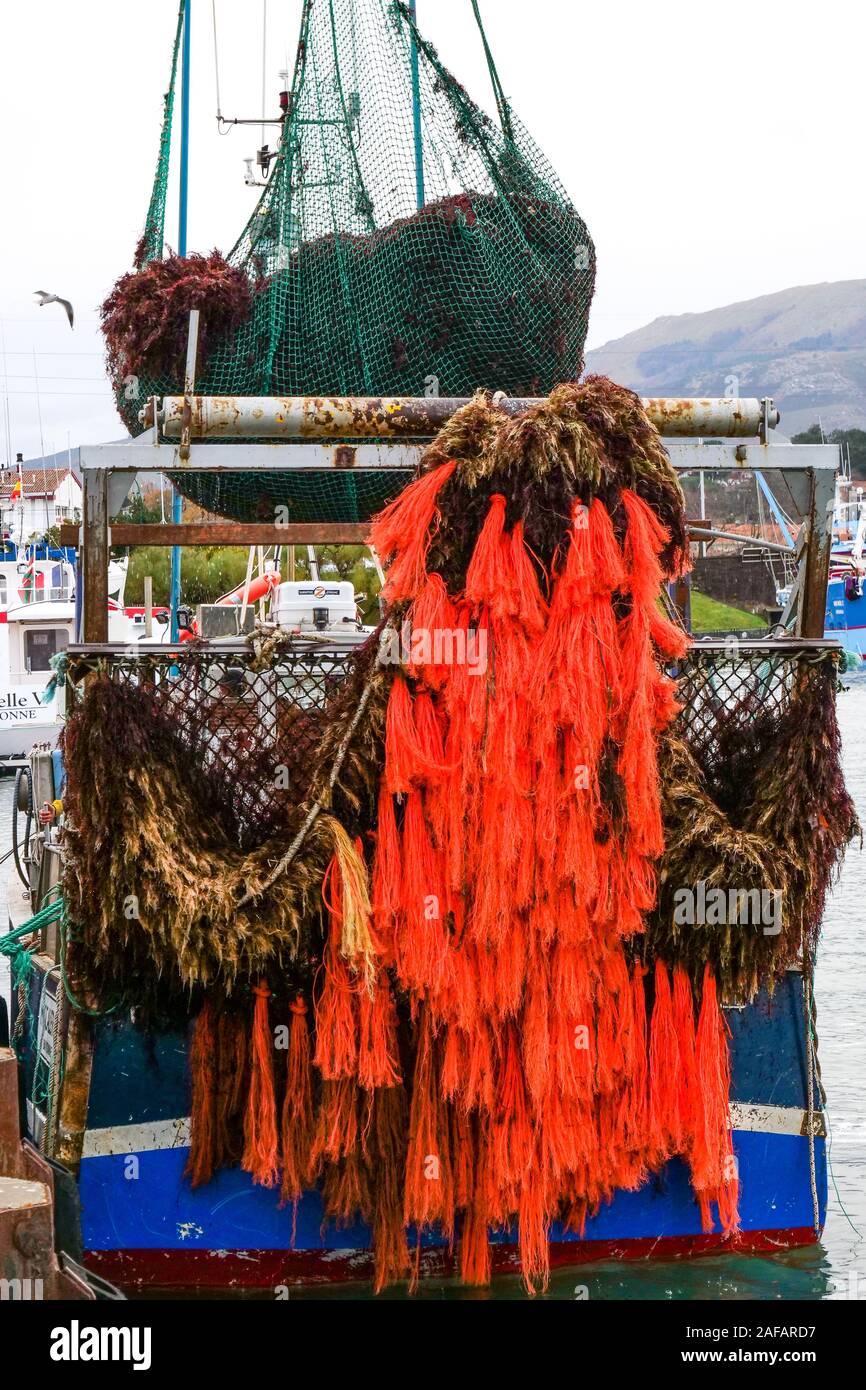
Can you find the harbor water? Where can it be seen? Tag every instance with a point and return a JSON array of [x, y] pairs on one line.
[[835, 1269]]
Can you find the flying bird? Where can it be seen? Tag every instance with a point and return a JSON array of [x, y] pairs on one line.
[[54, 299]]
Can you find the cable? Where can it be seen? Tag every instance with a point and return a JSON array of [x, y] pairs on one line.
[[264, 60], [19, 777], [216, 62], [498, 90]]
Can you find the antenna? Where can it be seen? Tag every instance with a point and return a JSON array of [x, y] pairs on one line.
[[264, 64]]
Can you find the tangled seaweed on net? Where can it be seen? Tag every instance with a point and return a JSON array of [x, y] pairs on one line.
[[145, 318], [156, 870], [767, 810], [584, 441]]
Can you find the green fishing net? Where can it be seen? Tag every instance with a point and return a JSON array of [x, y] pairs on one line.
[[405, 244]]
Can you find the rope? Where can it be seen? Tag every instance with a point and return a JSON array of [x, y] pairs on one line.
[[21, 960], [154, 227], [216, 63], [501, 100], [318, 804], [264, 61]]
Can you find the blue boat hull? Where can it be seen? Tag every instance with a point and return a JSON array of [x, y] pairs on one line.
[[142, 1224], [845, 619]]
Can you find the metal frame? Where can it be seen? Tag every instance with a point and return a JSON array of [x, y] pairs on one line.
[[393, 432], [357, 417]]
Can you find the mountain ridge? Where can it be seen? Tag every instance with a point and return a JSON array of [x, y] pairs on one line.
[[804, 346]]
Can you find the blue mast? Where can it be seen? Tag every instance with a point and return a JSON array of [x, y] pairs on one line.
[[416, 114], [176, 500]]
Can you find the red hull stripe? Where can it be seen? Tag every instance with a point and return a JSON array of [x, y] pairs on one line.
[[262, 1269]]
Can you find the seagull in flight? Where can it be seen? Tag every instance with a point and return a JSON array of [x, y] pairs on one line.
[[44, 299]]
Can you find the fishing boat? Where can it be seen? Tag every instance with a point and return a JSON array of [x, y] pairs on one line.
[[845, 619], [846, 615], [242, 751], [37, 623], [125, 1094]]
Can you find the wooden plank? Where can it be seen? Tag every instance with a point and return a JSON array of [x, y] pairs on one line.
[[239, 533], [75, 1092], [813, 595], [95, 558], [229, 533]]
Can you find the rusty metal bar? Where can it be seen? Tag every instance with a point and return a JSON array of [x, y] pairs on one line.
[[360, 417], [815, 570], [709, 533], [228, 533]]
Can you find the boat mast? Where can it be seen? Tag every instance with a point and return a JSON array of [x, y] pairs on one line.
[[176, 500], [416, 113]]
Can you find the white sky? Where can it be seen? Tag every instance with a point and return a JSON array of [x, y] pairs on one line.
[[715, 151]]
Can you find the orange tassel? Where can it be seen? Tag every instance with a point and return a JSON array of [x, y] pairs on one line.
[[260, 1122], [387, 886], [645, 539], [714, 1174], [534, 1227], [684, 1025], [475, 1248], [296, 1128], [532, 609], [429, 734], [336, 1010], [422, 944], [607, 571], [664, 1070], [511, 1132], [386, 1140], [488, 577], [433, 623], [336, 1123], [406, 760], [638, 1094], [672, 641], [378, 1059], [474, 1236], [536, 1029], [403, 530], [429, 1194], [202, 1059]]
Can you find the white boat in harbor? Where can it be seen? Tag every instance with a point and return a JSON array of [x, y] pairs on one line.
[[37, 621]]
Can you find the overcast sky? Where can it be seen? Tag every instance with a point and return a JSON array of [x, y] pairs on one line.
[[715, 151]]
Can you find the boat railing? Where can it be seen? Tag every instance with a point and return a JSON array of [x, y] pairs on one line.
[[238, 707], [726, 686]]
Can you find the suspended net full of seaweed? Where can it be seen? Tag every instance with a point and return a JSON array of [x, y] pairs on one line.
[[382, 259]]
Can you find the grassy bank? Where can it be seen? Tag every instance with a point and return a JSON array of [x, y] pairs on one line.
[[708, 615]]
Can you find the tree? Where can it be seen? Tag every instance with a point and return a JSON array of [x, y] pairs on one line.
[[853, 443], [209, 572]]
